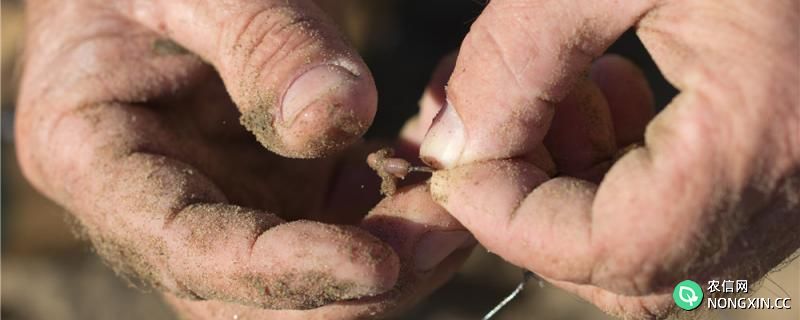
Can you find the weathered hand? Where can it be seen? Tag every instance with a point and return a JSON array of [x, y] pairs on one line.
[[140, 139], [713, 192]]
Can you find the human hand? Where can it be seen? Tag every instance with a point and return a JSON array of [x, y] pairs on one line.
[[713, 192], [140, 140]]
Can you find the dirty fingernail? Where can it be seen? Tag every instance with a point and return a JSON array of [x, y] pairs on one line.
[[434, 246], [445, 141], [322, 82]]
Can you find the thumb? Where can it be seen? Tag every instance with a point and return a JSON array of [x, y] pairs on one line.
[[301, 89], [516, 62]]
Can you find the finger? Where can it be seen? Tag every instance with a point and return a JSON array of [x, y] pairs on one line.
[[598, 117], [550, 241], [301, 89], [587, 128], [628, 94], [514, 64], [431, 244], [296, 265], [581, 136], [433, 99]]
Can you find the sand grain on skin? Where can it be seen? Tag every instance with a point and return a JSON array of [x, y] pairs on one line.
[[345, 129], [305, 290]]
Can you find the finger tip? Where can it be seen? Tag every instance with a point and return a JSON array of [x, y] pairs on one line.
[[307, 264], [371, 263], [445, 141], [322, 130], [323, 111]]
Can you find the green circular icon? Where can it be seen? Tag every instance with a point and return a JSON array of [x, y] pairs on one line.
[[688, 295]]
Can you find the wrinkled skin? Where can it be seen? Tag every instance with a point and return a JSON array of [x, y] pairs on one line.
[[140, 138], [713, 189]]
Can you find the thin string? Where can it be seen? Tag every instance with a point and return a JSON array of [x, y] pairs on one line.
[[421, 169], [527, 275]]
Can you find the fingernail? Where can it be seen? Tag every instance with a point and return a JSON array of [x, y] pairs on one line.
[[322, 82], [445, 140], [434, 246]]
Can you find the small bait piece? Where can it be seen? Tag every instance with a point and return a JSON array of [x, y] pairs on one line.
[[390, 169]]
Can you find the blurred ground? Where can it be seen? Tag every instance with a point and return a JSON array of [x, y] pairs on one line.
[[49, 274]]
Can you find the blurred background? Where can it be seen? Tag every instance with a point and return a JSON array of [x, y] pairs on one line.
[[48, 273]]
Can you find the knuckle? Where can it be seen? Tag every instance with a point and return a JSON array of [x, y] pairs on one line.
[[270, 36], [490, 45]]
